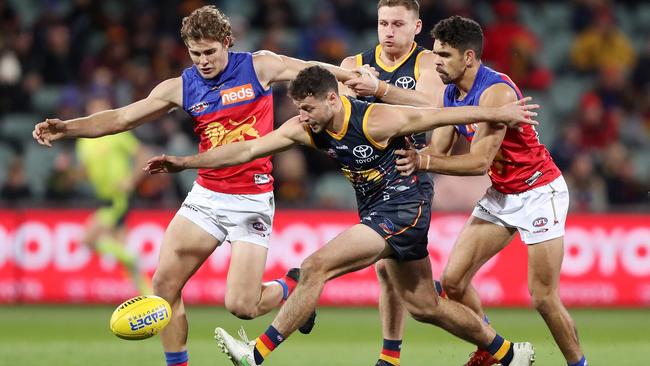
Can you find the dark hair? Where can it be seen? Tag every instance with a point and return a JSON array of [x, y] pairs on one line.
[[313, 81], [206, 22], [460, 33], [408, 4]]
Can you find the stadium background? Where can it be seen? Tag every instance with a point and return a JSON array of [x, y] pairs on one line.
[[585, 61]]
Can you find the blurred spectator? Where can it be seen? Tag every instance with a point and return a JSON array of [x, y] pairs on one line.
[[598, 127], [62, 181], [640, 77], [619, 173], [511, 48], [587, 190], [602, 44], [351, 14], [325, 39], [567, 147], [56, 62], [15, 187], [290, 173], [275, 13]]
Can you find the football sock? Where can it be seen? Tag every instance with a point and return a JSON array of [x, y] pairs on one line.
[[391, 351], [266, 343], [439, 289], [176, 358], [288, 284], [582, 362], [501, 350]]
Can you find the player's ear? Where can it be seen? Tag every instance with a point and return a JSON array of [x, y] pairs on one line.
[[469, 56], [227, 42], [418, 26]]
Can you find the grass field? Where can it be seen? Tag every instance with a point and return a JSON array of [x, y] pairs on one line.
[[79, 335]]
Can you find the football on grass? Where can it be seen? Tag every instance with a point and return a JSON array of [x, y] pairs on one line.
[[140, 317]]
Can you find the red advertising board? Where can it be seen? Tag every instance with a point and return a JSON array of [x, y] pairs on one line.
[[607, 259]]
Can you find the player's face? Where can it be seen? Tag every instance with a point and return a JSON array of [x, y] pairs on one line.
[[397, 27], [316, 113], [209, 56], [450, 62]]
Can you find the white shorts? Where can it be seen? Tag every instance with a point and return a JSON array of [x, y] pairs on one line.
[[538, 214], [232, 217]]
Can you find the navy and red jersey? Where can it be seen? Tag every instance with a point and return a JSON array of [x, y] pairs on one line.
[[231, 107], [522, 162]]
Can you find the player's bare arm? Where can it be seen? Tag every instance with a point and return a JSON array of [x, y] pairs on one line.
[[163, 97], [427, 91], [483, 148], [289, 134], [389, 121], [271, 67], [348, 63]]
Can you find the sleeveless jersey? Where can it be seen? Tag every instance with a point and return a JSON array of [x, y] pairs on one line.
[[522, 162], [368, 166], [403, 75], [231, 107]]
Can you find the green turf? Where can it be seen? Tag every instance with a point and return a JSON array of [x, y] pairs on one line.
[[79, 335]]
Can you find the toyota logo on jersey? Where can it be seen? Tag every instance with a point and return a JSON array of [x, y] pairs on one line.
[[362, 151], [405, 82]]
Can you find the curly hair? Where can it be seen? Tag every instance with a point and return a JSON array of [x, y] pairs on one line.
[[460, 33], [408, 4], [206, 22], [313, 81]]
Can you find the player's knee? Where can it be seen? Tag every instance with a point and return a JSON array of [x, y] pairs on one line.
[[545, 301], [165, 288], [382, 272], [312, 269], [425, 314], [241, 308], [453, 287]]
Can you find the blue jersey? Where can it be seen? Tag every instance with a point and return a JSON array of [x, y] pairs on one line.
[[231, 107], [522, 162], [369, 166]]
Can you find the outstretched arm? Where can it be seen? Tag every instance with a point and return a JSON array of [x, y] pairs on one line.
[[389, 121], [484, 147], [162, 98], [289, 134], [271, 67]]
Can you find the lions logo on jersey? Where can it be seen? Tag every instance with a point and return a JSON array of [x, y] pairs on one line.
[[405, 82]]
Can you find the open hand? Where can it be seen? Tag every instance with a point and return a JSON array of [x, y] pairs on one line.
[[49, 130], [518, 112], [164, 164]]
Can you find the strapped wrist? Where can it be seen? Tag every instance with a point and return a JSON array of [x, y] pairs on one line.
[[382, 89]]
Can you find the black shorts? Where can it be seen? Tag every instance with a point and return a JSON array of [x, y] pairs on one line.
[[403, 223]]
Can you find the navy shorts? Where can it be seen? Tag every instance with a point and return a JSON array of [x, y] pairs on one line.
[[403, 223]]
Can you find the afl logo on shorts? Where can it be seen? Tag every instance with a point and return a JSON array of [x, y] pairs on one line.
[[362, 151], [405, 82], [540, 221]]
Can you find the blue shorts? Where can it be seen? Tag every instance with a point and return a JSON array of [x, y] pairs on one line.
[[403, 223]]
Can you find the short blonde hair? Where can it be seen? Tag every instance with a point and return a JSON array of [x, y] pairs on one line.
[[412, 5], [207, 22]]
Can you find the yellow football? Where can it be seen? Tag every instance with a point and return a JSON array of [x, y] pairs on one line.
[[140, 317]]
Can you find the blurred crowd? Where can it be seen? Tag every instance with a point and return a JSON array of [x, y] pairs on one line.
[[585, 61]]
